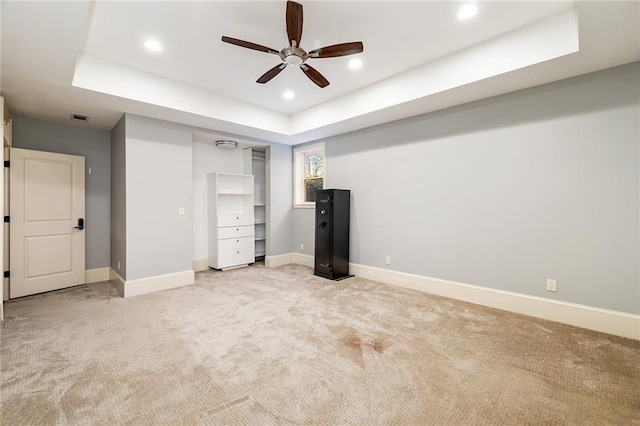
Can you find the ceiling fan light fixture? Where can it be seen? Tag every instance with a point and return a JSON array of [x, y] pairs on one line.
[[288, 94], [293, 55], [226, 144], [293, 60]]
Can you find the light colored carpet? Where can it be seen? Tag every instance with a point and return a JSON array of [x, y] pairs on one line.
[[280, 346]]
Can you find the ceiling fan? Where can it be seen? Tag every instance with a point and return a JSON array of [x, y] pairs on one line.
[[294, 54]]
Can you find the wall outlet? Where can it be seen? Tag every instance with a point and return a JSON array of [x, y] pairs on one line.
[[181, 211], [551, 285], [387, 260], [301, 246]]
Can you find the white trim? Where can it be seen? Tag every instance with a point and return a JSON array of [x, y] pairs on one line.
[[303, 259], [286, 259], [603, 320], [117, 280], [153, 284], [279, 260], [113, 275], [201, 265], [96, 275], [598, 319], [298, 172]]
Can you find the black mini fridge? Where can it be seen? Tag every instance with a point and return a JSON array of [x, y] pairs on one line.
[[332, 234]]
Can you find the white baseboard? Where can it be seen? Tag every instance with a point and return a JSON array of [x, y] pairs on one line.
[[592, 318], [130, 288], [606, 321], [285, 259], [279, 260], [200, 265], [303, 259], [118, 281], [96, 275]]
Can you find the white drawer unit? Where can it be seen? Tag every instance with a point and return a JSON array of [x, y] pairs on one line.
[[237, 257], [231, 220], [235, 232], [235, 243], [235, 220]]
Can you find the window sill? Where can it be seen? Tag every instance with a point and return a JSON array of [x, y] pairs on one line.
[[305, 206]]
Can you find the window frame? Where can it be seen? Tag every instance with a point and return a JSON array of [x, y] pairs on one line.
[[298, 173]]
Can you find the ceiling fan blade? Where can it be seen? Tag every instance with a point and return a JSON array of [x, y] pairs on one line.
[[271, 73], [314, 75], [342, 49], [294, 23], [248, 45]]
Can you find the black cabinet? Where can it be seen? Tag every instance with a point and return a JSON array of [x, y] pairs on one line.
[[332, 233]]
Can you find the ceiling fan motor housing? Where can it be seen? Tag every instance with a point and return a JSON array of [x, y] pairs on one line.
[[293, 56]]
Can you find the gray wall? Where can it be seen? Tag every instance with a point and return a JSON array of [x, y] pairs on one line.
[[118, 199], [279, 199], [94, 145], [505, 192], [158, 182], [303, 230]]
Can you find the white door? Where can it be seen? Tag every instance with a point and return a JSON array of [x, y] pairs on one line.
[[46, 221]]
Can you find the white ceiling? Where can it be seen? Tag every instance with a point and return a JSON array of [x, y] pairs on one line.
[[88, 57]]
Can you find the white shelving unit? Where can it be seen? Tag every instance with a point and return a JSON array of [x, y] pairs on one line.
[[258, 169], [231, 220]]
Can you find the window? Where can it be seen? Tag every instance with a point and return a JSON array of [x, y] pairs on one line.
[[308, 174]]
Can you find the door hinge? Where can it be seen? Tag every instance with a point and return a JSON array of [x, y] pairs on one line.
[[6, 219], [7, 274], [6, 163]]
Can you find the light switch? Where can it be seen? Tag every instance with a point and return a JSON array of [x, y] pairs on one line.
[[181, 211]]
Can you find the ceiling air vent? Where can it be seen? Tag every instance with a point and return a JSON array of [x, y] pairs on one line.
[[79, 117]]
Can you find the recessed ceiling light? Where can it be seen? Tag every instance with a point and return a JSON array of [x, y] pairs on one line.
[[355, 63], [288, 94], [467, 11], [153, 45]]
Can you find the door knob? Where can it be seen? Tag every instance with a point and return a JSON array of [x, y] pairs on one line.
[[80, 224]]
